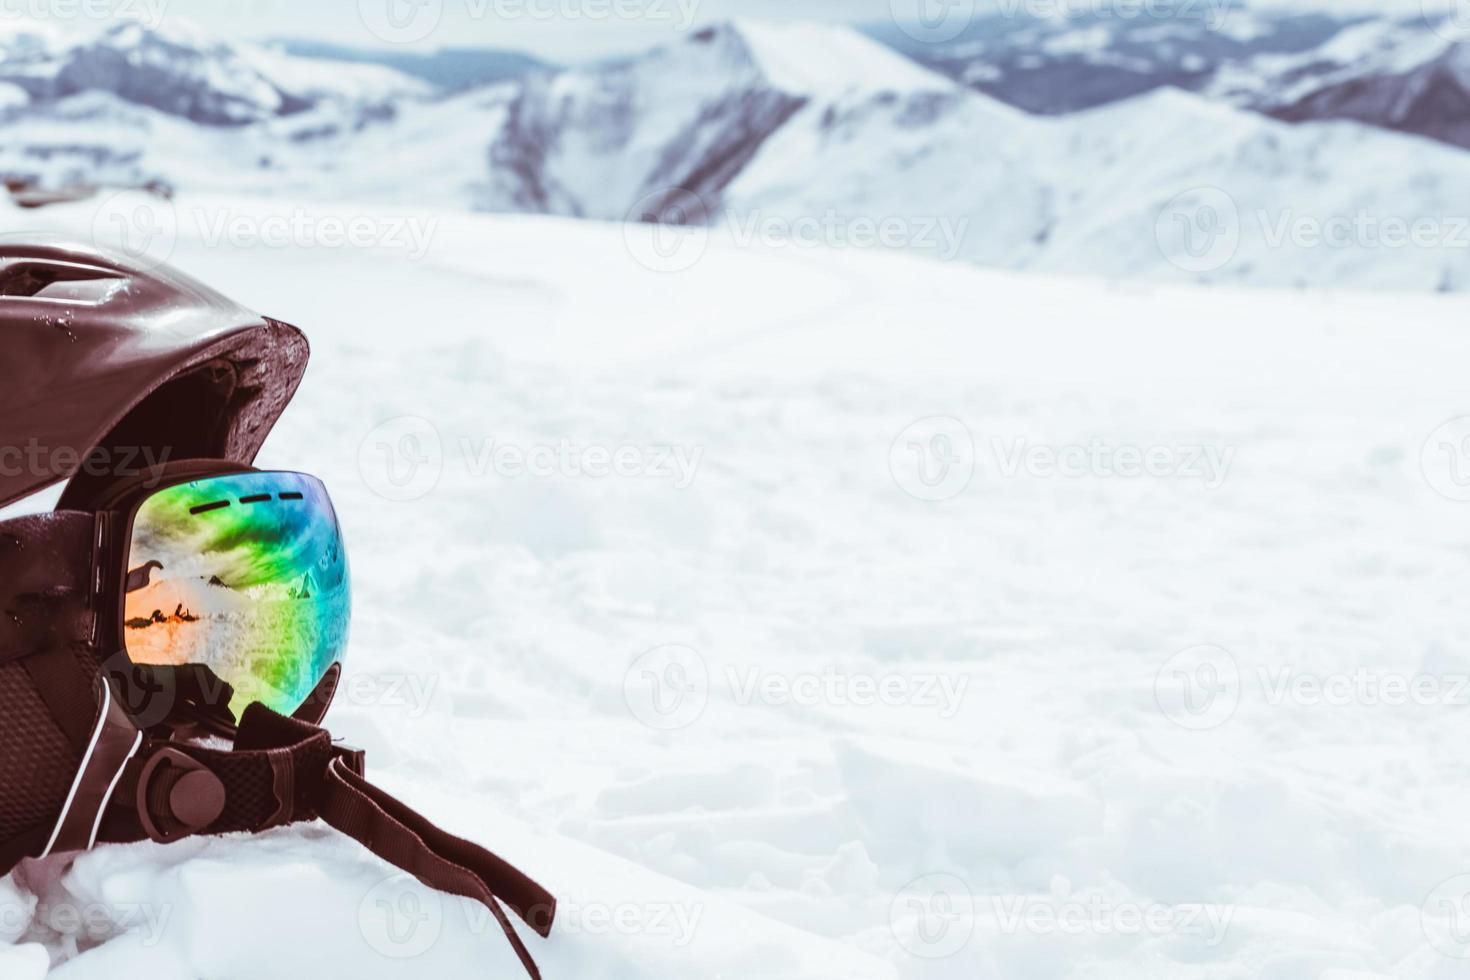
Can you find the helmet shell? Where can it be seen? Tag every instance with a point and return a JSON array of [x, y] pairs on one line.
[[108, 360]]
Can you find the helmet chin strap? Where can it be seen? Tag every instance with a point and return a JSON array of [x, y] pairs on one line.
[[280, 771]]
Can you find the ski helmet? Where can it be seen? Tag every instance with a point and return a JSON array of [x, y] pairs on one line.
[[150, 395]]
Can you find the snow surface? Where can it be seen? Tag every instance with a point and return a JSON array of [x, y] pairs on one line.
[[503, 622]]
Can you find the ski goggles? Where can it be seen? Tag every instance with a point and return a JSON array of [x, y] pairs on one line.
[[243, 573]]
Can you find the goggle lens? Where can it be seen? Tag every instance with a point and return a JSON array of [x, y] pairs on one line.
[[245, 574]]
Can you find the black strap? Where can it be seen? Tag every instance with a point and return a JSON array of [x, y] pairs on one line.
[[283, 771], [46, 583], [47, 618], [406, 840]]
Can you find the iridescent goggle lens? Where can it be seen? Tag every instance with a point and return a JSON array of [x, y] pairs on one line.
[[246, 574]]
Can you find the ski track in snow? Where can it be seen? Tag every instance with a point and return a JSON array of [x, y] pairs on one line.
[[498, 618]]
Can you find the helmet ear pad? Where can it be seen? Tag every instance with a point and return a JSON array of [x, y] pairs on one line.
[[183, 419]]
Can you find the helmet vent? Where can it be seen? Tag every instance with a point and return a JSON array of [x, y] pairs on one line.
[[58, 281]]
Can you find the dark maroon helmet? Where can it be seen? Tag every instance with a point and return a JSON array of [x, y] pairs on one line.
[[107, 357], [108, 360]]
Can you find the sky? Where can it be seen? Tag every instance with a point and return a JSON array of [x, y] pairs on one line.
[[565, 30], [573, 30]]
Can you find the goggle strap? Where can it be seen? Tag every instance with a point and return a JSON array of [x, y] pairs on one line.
[[449, 864], [47, 590], [283, 771]]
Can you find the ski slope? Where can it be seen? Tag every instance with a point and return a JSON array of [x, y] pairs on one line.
[[648, 690]]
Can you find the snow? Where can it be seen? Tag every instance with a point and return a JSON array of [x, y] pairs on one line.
[[830, 61], [504, 621]]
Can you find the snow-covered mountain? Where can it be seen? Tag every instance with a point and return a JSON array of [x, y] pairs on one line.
[[772, 130], [181, 72], [1389, 73], [1093, 56], [683, 118]]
